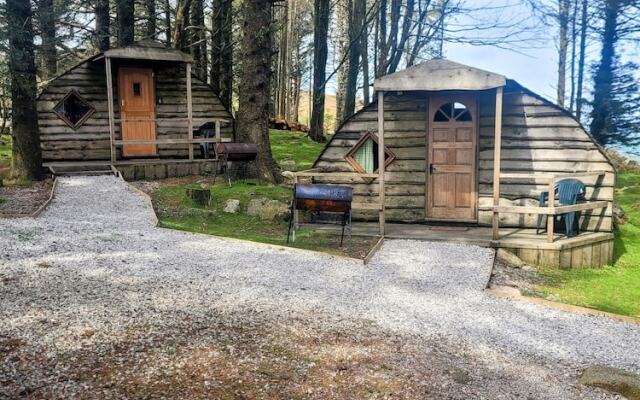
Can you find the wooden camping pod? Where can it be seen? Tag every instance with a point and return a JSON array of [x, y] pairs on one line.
[[537, 137]]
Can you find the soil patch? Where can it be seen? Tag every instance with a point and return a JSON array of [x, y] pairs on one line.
[[23, 200]]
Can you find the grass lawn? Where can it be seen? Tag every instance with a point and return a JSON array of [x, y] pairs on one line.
[[177, 211], [5, 155], [296, 147], [613, 288]]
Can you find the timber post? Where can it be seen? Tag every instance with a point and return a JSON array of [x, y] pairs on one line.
[[551, 217], [495, 220], [112, 129], [381, 160], [189, 111]]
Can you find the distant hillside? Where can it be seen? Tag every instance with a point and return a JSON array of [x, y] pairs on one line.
[[329, 110]]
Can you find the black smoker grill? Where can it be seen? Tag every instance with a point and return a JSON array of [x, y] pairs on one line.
[[236, 158], [321, 199]]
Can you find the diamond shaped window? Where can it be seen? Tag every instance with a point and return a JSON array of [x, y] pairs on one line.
[[363, 157], [73, 109]]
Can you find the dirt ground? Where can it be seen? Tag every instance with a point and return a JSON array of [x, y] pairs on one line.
[[251, 356], [24, 199]]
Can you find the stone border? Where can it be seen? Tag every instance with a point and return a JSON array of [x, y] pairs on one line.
[[40, 209], [514, 294], [266, 245]]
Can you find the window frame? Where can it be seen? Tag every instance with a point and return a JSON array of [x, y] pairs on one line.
[[352, 161], [82, 120]]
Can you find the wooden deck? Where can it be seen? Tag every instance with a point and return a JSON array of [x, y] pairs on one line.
[[592, 249]]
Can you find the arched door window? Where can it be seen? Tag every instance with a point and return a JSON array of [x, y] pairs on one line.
[[452, 112]]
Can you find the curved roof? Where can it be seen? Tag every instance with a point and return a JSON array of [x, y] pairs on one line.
[[439, 74], [149, 50]]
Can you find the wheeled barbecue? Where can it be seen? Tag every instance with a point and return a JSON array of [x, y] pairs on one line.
[[319, 198], [236, 159]]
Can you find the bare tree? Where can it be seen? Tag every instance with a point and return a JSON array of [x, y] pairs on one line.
[[182, 14]]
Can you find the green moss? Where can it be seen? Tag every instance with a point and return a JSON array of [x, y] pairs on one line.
[[294, 146], [614, 288]]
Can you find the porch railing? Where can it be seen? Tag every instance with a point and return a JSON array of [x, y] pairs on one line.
[[189, 139], [552, 209]]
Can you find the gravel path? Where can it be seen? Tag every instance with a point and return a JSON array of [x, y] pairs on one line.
[[95, 261]]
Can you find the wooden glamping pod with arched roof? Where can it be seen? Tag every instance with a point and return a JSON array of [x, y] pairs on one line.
[[456, 170], [134, 109]]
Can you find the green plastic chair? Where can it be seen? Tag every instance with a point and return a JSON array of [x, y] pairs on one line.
[[568, 192]]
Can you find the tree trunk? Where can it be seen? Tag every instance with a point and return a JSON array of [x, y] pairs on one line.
[[382, 38], [255, 76], [574, 38], [581, 58], [150, 6], [563, 41], [603, 79], [355, 27], [343, 16], [198, 39], [26, 159], [364, 52], [320, 50], [46, 16], [168, 32], [222, 51], [125, 22], [103, 22], [182, 12], [217, 32]]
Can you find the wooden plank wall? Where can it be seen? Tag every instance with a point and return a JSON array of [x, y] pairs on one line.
[[405, 136], [537, 137], [59, 142]]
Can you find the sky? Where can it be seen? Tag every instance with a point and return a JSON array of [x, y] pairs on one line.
[[536, 71], [533, 65]]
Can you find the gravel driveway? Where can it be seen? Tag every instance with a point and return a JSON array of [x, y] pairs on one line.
[[94, 261]]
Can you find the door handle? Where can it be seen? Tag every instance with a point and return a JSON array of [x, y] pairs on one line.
[[431, 169]]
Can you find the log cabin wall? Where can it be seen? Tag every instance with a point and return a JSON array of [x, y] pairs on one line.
[[405, 135], [59, 142], [538, 137]]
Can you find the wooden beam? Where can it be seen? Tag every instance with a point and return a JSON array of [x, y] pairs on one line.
[[497, 144], [591, 205], [189, 109], [310, 174], [514, 175], [551, 205], [167, 141], [112, 128], [381, 160]]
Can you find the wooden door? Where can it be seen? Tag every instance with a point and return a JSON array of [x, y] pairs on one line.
[[451, 159], [137, 110]]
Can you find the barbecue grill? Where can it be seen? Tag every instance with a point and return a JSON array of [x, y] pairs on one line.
[[321, 199], [236, 158]]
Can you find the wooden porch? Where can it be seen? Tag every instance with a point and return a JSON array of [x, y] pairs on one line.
[[593, 249]]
